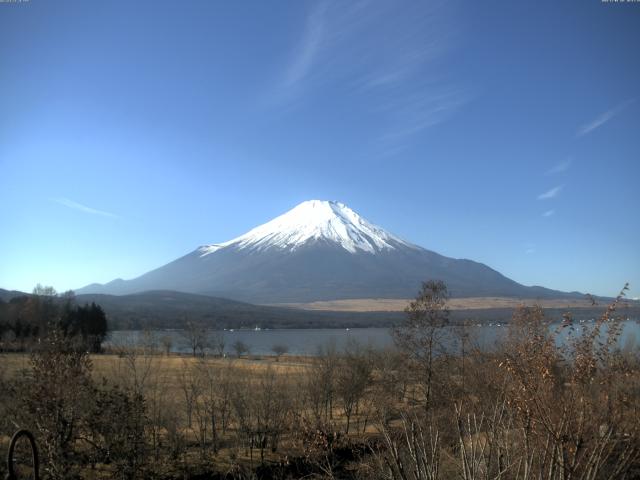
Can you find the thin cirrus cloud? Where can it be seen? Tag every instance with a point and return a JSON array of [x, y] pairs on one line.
[[603, 118], [549, 213], [560, 167], [550, 193], [83, 208], [312, 42], [391, 65]]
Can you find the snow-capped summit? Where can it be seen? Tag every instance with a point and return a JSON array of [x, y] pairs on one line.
[[315, 220], [318, 250]]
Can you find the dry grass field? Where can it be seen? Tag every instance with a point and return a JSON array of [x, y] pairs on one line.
[[106, 365], [134, 412], [398, 305], [205, 415], [176, 385]]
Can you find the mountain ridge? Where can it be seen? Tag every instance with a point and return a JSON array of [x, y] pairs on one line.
[[317, 251]]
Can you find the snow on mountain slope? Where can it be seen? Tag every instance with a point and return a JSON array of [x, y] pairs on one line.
[[315, 220], [319, 251]]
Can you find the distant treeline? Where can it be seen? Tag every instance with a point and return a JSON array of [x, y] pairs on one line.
[[25, 319], [159, 310], [169, 309], [156, 310]]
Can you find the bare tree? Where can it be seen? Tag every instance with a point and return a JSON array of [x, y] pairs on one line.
[[353, 378], [217, 342], [57, 396], [134, 365], [196, 336], [279, 350], [216, 397], [320, 384], [411, 452], [240, 348], [167, 343], [242, 399], [272, 406], [390, 386], [44, 291], [189, 383], [421, 334], [158, 405]]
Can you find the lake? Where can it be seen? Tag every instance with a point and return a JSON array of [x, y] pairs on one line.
[[308, 341]]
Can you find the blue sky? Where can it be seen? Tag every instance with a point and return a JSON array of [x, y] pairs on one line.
[[504, 132]]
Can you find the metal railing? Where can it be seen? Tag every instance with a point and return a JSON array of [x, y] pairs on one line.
[[11, 474]]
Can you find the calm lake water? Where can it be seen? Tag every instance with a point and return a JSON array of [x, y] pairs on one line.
[[308, 341]]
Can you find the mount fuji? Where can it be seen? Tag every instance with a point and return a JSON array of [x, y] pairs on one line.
[[319, 250]]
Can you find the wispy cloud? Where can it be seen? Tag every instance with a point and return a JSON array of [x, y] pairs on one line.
[[411, 116], [549, 213], [560, 167], [603, 118], [83, 208], [387, 56], [550, 193], [310, 46]]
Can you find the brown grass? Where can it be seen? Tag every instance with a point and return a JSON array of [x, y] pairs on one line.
[[173, 364], [163, 373], [398, 305]]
